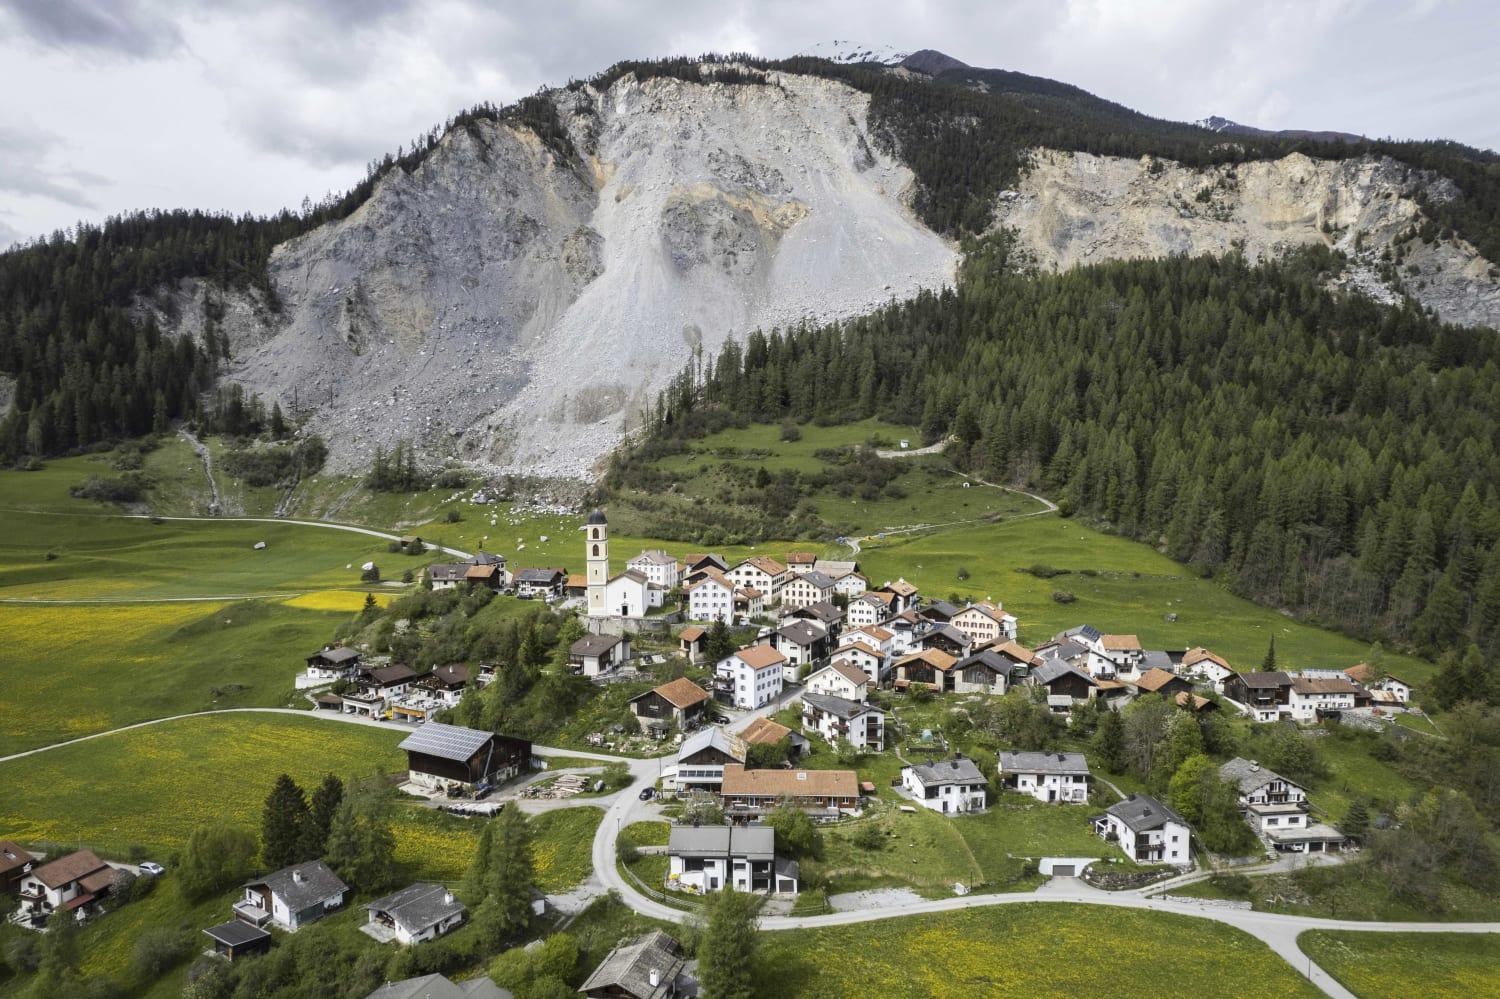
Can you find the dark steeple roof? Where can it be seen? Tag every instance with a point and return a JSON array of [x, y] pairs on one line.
[[597, 517]]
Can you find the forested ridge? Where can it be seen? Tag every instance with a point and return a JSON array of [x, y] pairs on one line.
[[90, 368], [1320, 452]]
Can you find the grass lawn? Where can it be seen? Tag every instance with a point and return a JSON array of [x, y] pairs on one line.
[[646, 834], [563, 845], [1026, 950], [1417, 964], [1349, 891], [1355, 773]]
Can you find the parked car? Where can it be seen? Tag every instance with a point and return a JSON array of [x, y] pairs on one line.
[[152, 867], [647, 793]]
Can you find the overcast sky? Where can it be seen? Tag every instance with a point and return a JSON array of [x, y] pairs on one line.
[[250, 105]]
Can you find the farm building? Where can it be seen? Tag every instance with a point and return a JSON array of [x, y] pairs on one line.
[[437, 755]]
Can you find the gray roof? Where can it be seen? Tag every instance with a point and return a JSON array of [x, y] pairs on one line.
[[418, 907], [755, 842], [439, 987], [818, 579], [803, 632], [1249, 775], [340, 655], [1258, 680], [1141, 812], [236, 933], [1157, 660], [990, 660], [957, 771], [715, 737], [834, 567], [655, 556], [594, 645], [1065, 649], [949, 632], [1085, 631], [448, 742], [597, 517], [940, 609], [538, 575], [1055, 669], [446, 571], [629, 967], [1043, 763], [484, 558], [838, 706], [302, 885]]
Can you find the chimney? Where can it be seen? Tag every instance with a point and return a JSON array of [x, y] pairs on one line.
[[655, 978], [297, 876], [447, 898], [1254, 765]]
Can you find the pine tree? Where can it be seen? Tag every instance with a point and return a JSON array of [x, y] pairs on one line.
[[325, 802], [1268, 664], [282, 823], [361, 846], [502, 877], [1109, 742], [726, 957], [1356, 820]]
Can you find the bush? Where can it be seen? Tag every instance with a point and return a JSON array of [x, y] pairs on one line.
[[1230, 883], [1063, 596], [128, 488], [157, 950], [452, 516], [790, 432], [869, 837]]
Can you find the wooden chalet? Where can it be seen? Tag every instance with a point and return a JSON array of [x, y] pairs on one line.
[[438, 755]]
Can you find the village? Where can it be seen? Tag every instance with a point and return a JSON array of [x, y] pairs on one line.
[[833, 660]]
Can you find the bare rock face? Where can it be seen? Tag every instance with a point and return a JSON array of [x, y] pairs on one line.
[[1077, 208], [510, 307]]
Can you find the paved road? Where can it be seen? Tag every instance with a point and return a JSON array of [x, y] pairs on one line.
[[300, 523]]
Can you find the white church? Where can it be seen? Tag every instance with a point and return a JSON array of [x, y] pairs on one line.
[[630, 594]]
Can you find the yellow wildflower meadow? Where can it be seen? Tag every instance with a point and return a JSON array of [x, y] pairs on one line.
[[350, 601], [1460, 965]]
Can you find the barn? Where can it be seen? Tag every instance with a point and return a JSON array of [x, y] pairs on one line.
[[438, 755]]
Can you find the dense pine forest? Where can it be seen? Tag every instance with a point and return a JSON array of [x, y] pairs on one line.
[[89, 367], [1320, 452]]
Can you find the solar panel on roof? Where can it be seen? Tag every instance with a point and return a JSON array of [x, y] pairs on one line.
[[451, 742]]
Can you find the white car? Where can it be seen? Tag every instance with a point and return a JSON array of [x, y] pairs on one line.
[[152, 867]]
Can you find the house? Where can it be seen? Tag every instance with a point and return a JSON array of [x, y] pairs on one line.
[[872, 635], [1264, 696], [840, 678], [760, 572], [1277, 809], [592, 655], [1046, 776], [951, 786], [1199, 661], [1067, 650], [691, 643], [702, 757], [632, 594], [806, 588], [15, 863], [763, 731], [72, 883], [333, 663], [938, 611], [1399, 690], [649, 967], [800, 562], [491, 577], [929, 667], [1115, 657], [1148, 831], [236, 939], [867, 659], [375, 687], [905, 629], [836, 718], [1159, 681], [658, 567], [576, 586], [749, 603], [709, 858], [903, 595], [754, 675], [292, 897], [868, 608], [1195, 704], [445, 685], [413, 915], [438, 755], [994, 669], [710, 597], [834, 568], [697, 562], [439, 987], [540, 582], [800, 642], [1315, 698], [849, 584], [681, 702], [1066, 686], [943, 637], [445, 576], [821, 612], [984, 622], [749, 794]]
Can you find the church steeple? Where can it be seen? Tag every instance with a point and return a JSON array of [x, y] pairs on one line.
[[596, 556]]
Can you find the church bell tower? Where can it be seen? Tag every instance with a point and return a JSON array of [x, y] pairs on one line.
[[596, 555]]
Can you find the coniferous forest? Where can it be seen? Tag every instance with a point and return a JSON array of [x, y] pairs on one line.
[[1320, 452]]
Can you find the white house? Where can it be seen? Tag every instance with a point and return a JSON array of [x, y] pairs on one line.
[[760, 572], [73, 882], [872, 635], [631, 594], [658, 567], [755, 675], [1046, 776], [415, 914], [807, 588], [1115, 657], [706, 858], [593, 655], [836, 718], [292, 897], [1201, 662], [702, 757], [984, 622], [863, 657], [1148, 831], [1272, 804], [800, 642], [949, 786], [711, 597], [867, 609], [1311, 695], [850, 584], [840, 679]]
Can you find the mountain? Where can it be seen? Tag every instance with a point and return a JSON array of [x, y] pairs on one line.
[[1214, 123], [516, 292]]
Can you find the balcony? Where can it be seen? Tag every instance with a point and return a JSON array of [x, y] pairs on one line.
[[250, 913]]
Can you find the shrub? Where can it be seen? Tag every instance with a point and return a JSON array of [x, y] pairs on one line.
[[452, 516], [156, 950], [1063, 596], [869, 837]]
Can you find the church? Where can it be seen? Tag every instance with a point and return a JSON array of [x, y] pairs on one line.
[[630, 594]]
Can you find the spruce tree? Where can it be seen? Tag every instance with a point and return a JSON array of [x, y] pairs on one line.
[[1109, 742], [325, 803], [1268, 664], [282, 823], [726, 957], [361, 846]]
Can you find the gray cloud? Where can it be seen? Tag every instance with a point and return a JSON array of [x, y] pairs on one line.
[[24, 169], [9, 236], [126, 27]]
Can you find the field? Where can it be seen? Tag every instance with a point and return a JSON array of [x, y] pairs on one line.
[[1432, 965], [1026, 950]]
